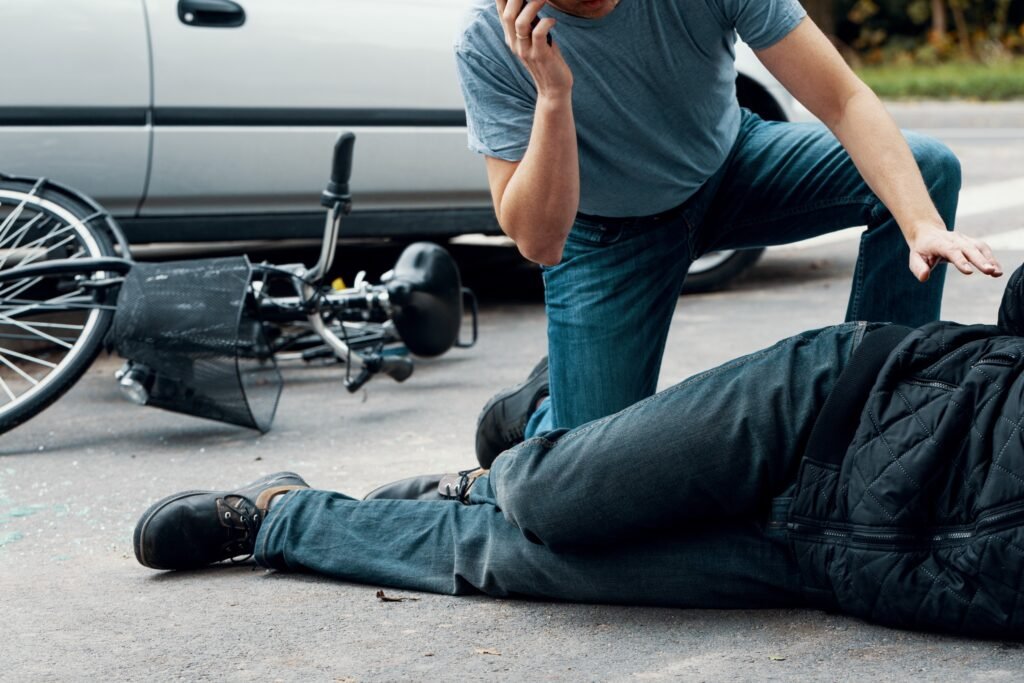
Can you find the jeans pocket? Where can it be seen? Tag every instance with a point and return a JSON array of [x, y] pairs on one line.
[[585, 237], [587, 233]]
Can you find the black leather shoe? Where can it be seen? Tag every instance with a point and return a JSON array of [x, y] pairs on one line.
[[195, 528], [502, 422], [456, 486], [413, 488], [429, 487]]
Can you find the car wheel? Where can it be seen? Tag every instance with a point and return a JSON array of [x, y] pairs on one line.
[[714, 271]]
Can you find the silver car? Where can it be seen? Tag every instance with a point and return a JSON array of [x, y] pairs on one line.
[[213, 119]]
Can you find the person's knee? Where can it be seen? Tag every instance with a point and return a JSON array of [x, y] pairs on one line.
[[939, 166], [520, 507], [526, 494], [544, 520], [514, 516]]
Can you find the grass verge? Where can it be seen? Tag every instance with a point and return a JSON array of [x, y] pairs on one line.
[[956, 80]]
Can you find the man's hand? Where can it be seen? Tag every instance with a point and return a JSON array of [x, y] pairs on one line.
[[530, 43], [933, 246]]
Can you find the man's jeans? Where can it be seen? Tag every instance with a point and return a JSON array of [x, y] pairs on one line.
[[668, 502], [611, 299]]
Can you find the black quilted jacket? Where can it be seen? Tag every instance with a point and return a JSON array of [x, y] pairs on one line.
[[922, 524]]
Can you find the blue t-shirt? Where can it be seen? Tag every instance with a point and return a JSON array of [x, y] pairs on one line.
[[654, 94]]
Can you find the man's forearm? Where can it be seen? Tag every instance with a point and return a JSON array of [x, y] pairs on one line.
[[885, 161], [539, 204]]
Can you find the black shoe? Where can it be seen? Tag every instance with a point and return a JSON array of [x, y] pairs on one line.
[[503, 420], [195, 528], [414, 488], [456, 486], [429, 487]]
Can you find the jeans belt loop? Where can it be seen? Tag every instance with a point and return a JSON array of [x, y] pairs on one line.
[[778, 519]]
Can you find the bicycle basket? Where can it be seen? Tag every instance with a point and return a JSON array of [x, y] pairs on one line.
[[191, 324]]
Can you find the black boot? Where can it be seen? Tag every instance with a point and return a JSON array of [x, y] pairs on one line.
[[414, 488], [429, 487], [195, 528], [502, 422]]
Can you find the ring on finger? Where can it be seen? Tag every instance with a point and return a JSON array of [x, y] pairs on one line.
[[522, 37]]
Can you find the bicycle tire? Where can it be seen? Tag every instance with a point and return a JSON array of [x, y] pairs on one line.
[[71, 219]]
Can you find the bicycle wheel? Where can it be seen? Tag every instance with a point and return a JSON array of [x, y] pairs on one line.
[[51, 326]]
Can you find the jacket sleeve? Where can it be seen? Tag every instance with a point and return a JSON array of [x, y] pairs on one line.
[[1011, 310]]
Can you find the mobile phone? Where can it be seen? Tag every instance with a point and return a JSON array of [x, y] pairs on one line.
[[536, 20]]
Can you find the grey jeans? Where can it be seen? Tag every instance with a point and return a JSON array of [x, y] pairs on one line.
[[668, 502]]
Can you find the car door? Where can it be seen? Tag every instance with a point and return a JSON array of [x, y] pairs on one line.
[[76, 92], [245, 114]]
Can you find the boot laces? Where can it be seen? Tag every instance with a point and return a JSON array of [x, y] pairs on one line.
[[240, 515]]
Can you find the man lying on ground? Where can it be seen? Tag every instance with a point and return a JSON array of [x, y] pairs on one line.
[[865, 468]]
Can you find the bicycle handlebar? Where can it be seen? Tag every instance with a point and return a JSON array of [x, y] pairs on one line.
[[337, 191]]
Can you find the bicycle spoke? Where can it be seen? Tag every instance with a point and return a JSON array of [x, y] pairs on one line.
[[47, 250], [29, 328], [30, 359], [13, 249], [59, 326], [15, 214], [25, 337], [11, 293], [84, 305], [7, 389], [27, 377], [48, 305], [35, 257], [25, 228]]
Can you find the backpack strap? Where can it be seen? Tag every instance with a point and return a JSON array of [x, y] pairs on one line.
[[837, 422]]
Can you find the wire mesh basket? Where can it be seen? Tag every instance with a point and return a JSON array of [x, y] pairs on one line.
[[191, 328]]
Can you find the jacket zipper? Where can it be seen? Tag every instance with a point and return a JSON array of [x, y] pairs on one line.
[[933, 383], [990, 523]]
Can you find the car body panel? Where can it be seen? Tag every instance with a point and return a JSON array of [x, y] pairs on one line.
[[290, 65], [75, 101], [189, 132]]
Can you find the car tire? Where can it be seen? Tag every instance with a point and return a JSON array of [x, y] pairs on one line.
[[716, 270]]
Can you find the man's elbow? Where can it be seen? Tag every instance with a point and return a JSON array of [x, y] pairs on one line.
[[544, 254], [542, 244]]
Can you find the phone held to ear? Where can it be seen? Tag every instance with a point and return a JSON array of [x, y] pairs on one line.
[[535, 21]]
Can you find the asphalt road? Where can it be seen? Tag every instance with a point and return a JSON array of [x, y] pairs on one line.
[[74, 480]]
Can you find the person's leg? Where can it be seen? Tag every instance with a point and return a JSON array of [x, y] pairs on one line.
[[609, 305], [450, 548], [717, 446], [786, 182]]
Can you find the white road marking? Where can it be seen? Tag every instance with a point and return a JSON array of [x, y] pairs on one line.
[[1012, 240], [990, 198], [974, 201], [972, 133]]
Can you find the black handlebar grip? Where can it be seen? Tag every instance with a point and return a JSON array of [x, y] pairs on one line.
[[397, 367], [341, 171]]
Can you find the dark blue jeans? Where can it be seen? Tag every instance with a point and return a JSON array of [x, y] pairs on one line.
[[611, 299], [673, 501]]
